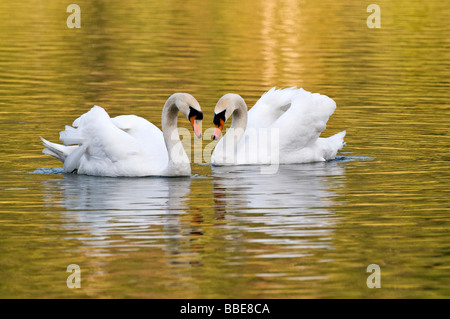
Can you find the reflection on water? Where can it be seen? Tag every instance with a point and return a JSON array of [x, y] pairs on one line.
[[143, 212], [140, 210], [290, 209], [118, 218]]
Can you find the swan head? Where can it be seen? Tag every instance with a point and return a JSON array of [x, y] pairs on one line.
[[190, 108], [225, 107]]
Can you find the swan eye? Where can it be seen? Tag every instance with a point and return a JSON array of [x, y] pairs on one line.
[[218, 117], [194, 112]]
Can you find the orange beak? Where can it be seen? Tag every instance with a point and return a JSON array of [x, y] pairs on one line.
[[196, 126], [218, 130]]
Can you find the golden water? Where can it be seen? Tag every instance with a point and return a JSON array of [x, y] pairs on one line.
[[309, 231]]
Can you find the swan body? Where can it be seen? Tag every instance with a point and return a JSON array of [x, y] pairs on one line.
[[283, 127], [127, 145]]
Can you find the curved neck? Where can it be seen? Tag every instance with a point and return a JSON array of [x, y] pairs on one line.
[[226, 149], [175, 150], [239, 116], [239, 121]]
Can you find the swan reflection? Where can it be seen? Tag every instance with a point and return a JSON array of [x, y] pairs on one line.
[[289, 209], [106, 212]]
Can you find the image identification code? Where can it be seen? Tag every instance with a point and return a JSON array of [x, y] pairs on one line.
[[235, 308]]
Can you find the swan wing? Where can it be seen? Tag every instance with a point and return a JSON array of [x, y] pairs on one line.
[[301, 125], [107, 150], [133, 124], [148, 135], [270, 107]]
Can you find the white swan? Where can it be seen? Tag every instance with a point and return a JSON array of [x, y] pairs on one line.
[[283, 127], [127, 145]]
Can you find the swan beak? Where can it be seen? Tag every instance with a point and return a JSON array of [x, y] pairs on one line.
[[196, 126], [218, 130]]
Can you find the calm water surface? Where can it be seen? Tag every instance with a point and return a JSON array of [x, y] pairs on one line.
[[309, 231]]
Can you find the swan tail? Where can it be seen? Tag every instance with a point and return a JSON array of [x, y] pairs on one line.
[[69, 154], [337, 140], [61, 152], [333, 145]]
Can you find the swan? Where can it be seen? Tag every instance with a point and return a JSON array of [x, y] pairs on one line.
[[127, 145], [283, 127]]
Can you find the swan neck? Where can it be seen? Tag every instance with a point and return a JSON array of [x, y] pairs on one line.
[[239, 121], [175, 149], [169, 122], [226, 148]]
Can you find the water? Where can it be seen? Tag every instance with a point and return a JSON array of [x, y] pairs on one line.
[[310, 231]]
